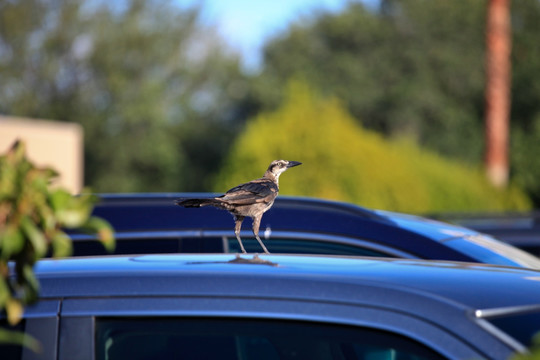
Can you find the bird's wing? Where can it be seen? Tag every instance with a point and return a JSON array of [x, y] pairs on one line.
[[255, 191]]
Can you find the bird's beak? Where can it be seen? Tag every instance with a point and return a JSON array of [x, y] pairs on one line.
[[293, 163]]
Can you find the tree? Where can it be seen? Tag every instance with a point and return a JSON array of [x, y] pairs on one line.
[[533, 351], [142, 78], [416, 68], [402, 70], [525, 112], [343, 161]]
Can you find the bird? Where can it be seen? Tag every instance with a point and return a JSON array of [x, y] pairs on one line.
[[251, 199]]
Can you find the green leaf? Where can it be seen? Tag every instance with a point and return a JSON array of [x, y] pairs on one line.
[[11, 242], [59, 199], [61, 244], [5, 294], [71, 211], [36, 237], [32, 284], [19, 338], [72, 218], [7, 179], [104, 232], [14, 310]]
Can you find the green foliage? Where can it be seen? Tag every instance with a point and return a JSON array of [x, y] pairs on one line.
[[525, 117], [525, 159], [145, 80], [414, 68], [343, 161], [32, 216], [534, 351], [161, 98]]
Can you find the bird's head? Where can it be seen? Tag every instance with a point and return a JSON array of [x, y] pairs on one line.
[[278, 166]]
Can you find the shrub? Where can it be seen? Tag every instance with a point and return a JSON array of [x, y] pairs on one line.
[[343, 161]]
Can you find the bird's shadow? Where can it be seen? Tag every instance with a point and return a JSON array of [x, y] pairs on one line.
[[254, 260]]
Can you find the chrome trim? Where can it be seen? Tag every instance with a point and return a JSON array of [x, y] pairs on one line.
[[482, 316], [506, 311], [501, 335]]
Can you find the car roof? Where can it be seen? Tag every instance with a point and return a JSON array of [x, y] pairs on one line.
[[463, 299], [463, 285]]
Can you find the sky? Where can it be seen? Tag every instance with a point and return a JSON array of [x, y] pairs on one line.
[[246, 24]]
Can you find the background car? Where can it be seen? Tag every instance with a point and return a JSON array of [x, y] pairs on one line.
[[222, 306], [520, 229], [151, 223]]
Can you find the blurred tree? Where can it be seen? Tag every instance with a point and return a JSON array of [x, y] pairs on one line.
[[415, 68], [533, 351], [525, 112], [402, 70], [142, 77], [343, 161]]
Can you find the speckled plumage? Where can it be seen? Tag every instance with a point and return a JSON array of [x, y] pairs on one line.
[[251, 199]]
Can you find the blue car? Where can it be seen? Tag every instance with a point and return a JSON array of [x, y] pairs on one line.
[[225, 306], [151, 223]]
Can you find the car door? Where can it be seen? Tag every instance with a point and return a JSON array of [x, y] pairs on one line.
[[198, 327]]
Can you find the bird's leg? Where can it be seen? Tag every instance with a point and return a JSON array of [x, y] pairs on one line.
[[238, 225], [256, 224]]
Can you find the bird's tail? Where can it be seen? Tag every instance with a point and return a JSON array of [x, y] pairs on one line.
[[189, 203]]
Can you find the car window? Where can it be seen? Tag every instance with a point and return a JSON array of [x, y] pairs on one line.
[[522, 327], [224, 339], [304, 246], [150, 245]]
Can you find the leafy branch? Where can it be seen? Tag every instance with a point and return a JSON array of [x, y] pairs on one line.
[[33, 215]]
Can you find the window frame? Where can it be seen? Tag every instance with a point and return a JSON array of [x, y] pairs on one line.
[[82, 314]]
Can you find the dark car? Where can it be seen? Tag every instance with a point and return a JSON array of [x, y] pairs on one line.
[[222, 306], [151, 223]]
